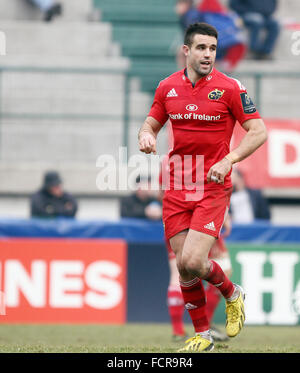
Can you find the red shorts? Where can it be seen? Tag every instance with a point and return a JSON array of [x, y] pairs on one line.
[[218, 250], [205, 215]]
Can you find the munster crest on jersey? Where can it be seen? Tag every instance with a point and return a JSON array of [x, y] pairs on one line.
[[216, 94]]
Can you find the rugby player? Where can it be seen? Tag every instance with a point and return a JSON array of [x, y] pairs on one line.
[[218, 253], [203, 106]]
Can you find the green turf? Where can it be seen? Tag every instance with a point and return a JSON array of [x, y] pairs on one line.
[[138, 338]]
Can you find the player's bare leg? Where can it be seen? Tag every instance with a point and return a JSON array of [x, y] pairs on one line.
[[177, 243], [194, 257], [194, 260], [194, 297], [213, 295]]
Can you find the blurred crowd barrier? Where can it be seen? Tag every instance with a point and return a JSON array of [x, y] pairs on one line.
[[58, 271]]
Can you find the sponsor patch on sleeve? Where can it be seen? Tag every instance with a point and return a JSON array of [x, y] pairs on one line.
[[248, 106]]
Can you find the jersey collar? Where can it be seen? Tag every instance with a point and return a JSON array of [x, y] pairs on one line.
[[205, 79]]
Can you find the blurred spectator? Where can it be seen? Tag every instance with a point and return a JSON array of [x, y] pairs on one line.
[[247, 204], [51, 200], [231, 40], [48, 7], [142, 203], [231, 44], [263, 28], [187, 13]]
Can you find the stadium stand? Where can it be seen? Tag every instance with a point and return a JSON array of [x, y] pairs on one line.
[[149, 34], [68, 119], [75, 10], [49, 115]]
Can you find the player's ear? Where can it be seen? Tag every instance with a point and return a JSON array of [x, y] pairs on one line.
[[185, 49]]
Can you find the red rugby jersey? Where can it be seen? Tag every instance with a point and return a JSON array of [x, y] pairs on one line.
[[202, 119]]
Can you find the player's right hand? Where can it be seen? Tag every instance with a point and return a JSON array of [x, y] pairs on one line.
[[147, 143], [218, 171]]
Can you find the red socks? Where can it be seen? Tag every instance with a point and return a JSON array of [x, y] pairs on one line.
[[176, 309], [212, 300], [217, 277], [176, 306], [194, 298]]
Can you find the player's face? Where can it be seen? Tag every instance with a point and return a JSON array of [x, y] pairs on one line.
[[201, 55]]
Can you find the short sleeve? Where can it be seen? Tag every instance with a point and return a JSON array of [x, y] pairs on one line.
[[158, 110], [241, 105]]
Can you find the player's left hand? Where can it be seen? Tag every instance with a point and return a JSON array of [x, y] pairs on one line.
[[218, 171]]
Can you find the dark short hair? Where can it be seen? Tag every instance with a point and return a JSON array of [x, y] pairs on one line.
[[201, 28]]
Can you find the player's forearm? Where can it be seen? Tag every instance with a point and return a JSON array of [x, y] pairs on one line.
[[254, 138], [147, 127], [147, 135]]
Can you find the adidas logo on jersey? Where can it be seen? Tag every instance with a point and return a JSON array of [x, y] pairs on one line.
[[172, 93], [210, 226]]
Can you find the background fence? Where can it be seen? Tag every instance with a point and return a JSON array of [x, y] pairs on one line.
[[255, 80], [265, 260]]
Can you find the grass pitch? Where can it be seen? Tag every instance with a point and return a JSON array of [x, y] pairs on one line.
[[138, 338]]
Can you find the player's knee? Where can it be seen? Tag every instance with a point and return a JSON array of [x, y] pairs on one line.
[[196, 266], [204, 269], [181, 268]]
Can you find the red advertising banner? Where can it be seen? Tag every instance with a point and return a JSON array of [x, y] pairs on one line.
[[63, 281], [277, 162]]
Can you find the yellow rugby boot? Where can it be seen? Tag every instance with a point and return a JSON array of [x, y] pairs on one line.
[[197, 344], [235, 314]]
